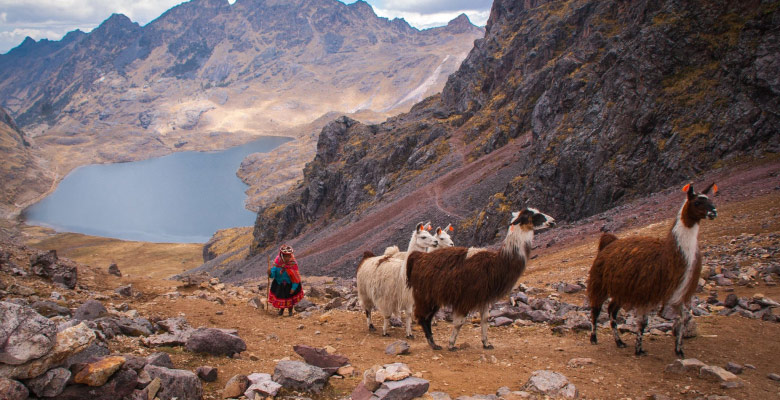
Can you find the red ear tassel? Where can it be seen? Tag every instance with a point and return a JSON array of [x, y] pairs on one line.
[[686, 187], [714, 189], [451, 229]]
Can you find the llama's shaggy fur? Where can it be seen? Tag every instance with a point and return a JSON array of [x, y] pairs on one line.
[[468, 279], [643, 272], [381, 281]]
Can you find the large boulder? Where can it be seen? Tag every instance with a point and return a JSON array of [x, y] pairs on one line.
[[24, 334], [300, 376], [13, 390], [215, 342], [48, 265], [50, 384], [176, 383], [69, 342], [90, 310]]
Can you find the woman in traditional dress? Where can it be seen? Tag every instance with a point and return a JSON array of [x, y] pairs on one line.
[[286, 289]]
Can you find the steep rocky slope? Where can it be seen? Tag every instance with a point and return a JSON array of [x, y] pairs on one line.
[[569, 106], [208, 74], [22, 172]]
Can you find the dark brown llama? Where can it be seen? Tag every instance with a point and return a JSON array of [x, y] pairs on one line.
[[470, 278], [641, 273]]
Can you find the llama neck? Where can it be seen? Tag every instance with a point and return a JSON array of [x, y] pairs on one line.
[[413, 246], [686, 241], [517, 244]]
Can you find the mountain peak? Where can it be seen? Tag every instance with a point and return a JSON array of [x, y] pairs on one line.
[[363, 8], [460, 24]]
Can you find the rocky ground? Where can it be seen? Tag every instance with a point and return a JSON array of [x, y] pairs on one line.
[[170, 329]]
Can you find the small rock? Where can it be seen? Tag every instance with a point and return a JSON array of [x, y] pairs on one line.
[[369, 378], [300, 376], [113, 269], [579, 362], [346, 371], [774, 377], [408, 388], [160, 359], [50, 384], [98, 373], [731, 384], [13, 390], [681, 366], [361, 392], [717, 374], [502, 321], [551, 383], [393, 372], [734, 368], [215, 342], [319, 357], [261, 384], [398, 348], [176, 383], [90, 310], [206, 373], [235, 386]]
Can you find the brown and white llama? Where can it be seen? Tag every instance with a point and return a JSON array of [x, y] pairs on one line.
[[381, 280], [641, 273], [471, 279]]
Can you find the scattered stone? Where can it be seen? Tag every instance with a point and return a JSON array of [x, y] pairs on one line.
[[178, 383], [346, 370], [550, 383], [734, 368], [408, 388], [206, 373], [774, 377], [369, 378], [717, 374], [215, 342], [113, 269], [301, 376], [90, 310], [682, 366], [261, 384], [393, 372], [124, 291], [24, 334], [731, 384], [361, 392], [320, 357], [13, 390], [97, 373], [579, 362], [121, 384], [94, 351], [399, 347], [304, 305], [440, 396], [134, 326], [235, 386], [160, 359], [502, 321], [50, 384], [48, 265], [49, 308]]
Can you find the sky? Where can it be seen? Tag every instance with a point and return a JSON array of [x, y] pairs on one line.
[[52, 19]]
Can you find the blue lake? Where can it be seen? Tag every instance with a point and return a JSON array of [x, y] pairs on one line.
[[182, 197]]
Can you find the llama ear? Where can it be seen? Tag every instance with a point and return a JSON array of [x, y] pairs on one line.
[[438, 230], [419, 227], [686, 188], [712, 186]]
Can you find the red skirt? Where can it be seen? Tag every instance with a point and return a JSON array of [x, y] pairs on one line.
[[280, 297]]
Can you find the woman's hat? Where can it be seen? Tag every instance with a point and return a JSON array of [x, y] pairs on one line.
[[286, 249]]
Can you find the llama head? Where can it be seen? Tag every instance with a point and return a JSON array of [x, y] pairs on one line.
[[531, 219], [698, 205], [443, 236], [422, 239]]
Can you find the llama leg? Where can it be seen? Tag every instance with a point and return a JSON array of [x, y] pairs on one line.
[[409, 325], [483, 316], [385, 324], [594, 320], [457, 322], [425, 322], [368, 321], [679, 327], [640, 332], [613, 312]]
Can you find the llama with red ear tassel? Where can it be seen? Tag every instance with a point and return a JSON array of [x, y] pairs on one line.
[[641, 273]]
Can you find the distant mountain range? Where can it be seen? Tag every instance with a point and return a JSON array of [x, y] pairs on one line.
[[207, 74]]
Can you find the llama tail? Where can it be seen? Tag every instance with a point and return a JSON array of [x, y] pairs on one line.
[[409, 266], [366, 254], [605, 240], [392, 250]]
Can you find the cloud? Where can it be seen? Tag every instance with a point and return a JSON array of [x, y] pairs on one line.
[[430, 20], [427, 7]]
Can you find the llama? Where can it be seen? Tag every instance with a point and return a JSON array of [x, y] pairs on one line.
[[444, 237], [381, 280], [643, 272], [471, 279]]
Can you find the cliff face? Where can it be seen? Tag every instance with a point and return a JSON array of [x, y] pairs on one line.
[[569, 106], [22, 172]]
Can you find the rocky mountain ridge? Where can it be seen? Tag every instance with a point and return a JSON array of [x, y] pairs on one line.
[[570, 106], [207, 75]]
